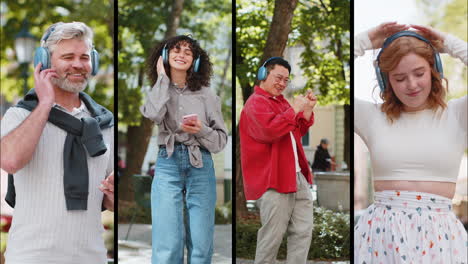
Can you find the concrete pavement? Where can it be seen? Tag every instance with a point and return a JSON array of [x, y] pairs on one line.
[[137, 249]]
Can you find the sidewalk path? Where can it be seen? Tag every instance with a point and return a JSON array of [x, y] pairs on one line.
[[137, 250]]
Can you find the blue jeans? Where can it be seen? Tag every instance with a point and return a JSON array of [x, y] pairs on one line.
[[176, 180]]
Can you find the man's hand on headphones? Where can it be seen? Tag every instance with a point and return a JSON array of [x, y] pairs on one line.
[[160, 66], [378, 34], [43, 85]]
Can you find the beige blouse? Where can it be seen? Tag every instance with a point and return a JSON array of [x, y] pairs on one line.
[[166, 104]]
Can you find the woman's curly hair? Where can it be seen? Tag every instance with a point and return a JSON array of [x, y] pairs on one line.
[[195, 80], [390, 58]]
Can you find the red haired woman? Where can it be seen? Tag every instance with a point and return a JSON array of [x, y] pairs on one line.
[[416, 140]]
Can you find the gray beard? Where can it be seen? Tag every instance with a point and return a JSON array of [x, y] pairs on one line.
[[66, 85]]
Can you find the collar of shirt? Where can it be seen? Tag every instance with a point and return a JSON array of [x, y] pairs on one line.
[[76, 111], [178, 89]]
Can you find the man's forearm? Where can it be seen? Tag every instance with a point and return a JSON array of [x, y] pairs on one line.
[[18, 146]]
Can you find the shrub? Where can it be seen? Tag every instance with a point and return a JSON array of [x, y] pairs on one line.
[[330, 237], [127, 209], [223, 214]]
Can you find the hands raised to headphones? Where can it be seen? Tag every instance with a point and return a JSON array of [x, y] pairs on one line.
[[160, 66], [43, 85], [432, 34], [378, 34]]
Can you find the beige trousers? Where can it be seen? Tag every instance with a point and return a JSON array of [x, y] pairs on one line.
[[281, 213]]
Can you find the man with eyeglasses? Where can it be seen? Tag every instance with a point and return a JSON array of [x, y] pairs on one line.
[[274, 166]]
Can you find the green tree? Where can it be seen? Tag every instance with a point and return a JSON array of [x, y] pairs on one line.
[[322, 27]]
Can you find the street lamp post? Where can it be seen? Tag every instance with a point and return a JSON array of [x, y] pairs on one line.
[[24, 47]]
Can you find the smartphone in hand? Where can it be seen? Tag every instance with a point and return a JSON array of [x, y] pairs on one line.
[[187, 119]]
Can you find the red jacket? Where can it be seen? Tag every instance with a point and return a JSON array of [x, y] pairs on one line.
[[266, 150]]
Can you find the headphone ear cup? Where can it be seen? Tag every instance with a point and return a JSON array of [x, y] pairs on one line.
[[196, 64], [94, 62], [165, 55], [438, 64], [380, 78], [261, 74], [42, 55]]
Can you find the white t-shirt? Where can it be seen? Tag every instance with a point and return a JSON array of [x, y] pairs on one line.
[[296, 159], [43, 231], [418, 146]]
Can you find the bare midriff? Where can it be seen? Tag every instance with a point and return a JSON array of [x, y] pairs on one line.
[[446, 189]]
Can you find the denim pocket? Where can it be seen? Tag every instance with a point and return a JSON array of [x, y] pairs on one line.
[[162, 153]]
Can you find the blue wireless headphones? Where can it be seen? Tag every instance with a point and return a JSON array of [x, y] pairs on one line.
[[263, 72], [165, 55], [382, 78], [43, 55]]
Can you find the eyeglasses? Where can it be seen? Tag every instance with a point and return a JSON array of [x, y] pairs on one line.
[[280, 79]]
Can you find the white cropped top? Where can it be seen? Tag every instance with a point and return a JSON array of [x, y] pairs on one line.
[[419, 146]]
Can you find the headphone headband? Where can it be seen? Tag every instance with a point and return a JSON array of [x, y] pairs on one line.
[[48, 33], [270, 59], [400, 34]]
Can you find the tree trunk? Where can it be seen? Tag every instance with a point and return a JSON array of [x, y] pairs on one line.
[[173, 20], [138, 137], [279, 28], [110, 24], [275, 45], [241, 206]]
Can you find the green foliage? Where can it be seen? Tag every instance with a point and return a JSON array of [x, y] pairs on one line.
[[223, 214], [252, 23], [205, 20], [127, 210], [3, 239], [41, 14], [330, 237], [322, 28]]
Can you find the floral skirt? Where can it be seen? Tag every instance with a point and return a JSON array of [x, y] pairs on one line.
[[409, 227]]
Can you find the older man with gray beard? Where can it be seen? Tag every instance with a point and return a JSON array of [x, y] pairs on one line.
[[59, 144]]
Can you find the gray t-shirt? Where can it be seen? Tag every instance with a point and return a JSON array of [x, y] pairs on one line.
[[166, 104]]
